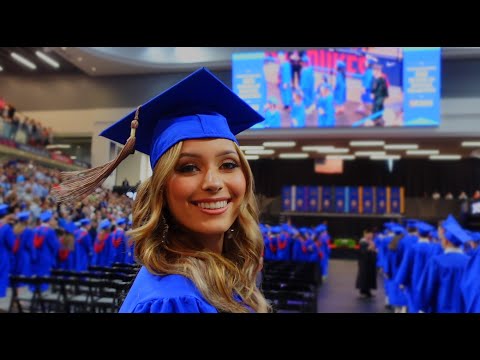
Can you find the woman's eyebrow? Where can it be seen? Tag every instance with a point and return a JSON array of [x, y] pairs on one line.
[[194, 155]]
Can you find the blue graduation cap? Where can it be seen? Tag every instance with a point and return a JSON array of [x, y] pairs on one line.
[[398, 229], [104, 224], [69, 227], [321, 228], [121, 221], [24, 215], [3, 209], [424, 229], [84, 221], [198, 107], [454, 233], [45, 216], [411, 223], [340, 64]]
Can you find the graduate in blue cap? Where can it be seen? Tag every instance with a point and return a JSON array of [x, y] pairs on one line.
[[195, 220], [46, 244], [414, 261], [438, 290], [7, 239], [83, 245], [103, 252], [23, 252]]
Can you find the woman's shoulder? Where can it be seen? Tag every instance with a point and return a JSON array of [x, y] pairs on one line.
[[173, 293]]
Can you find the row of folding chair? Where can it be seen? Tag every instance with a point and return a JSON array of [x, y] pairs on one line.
[[291, 286], [68, 292]]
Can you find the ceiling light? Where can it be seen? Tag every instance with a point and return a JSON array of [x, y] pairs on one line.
[[471, 143], [252, 157], [23, 61], [259, 152], [282, 144], [445, 157], [1, 68], [367, 143], [94, 68], [370, 153], [333, 151], [293, 156], [58, 146], [251, 147], [340, 157], [47, 59], [400, 146], [385, 157], [422, 152], [317, 148]]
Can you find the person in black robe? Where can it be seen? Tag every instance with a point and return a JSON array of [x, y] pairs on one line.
[[367, 270]]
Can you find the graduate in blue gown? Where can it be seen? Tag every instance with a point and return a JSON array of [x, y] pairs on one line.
[[413, 263], [7, 239], [66, 253], [46, 246], [102, 245], [23, 252], [83, 245], [119, 241], [470, 283], [438, 290], [195, 220]]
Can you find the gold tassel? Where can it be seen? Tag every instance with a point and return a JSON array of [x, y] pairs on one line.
[[75, 185]]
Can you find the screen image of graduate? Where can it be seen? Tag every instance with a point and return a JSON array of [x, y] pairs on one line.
[[295, 58], [325, 106], [298, 114], [340, 89], [379, 93], [307, 84], [285, 80], [272, 113], [365, 106]]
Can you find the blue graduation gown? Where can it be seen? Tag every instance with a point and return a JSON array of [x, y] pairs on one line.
[[470, 284], [83, 249], [438, 289], [164, 294], [7, 239], [411, 269]]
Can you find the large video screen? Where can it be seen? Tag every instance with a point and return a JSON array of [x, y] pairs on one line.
[[341, 87]]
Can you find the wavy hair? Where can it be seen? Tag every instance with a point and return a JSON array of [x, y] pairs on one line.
[[217, 276]]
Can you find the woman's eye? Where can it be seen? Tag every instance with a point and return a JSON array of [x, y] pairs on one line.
[[187, 168], [229, 165]]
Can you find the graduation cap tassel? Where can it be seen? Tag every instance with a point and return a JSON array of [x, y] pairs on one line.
[[77, 184]]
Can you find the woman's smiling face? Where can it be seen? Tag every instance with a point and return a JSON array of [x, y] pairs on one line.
[[207, 186]]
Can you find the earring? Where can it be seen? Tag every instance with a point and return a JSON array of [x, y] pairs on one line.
[[230, 233], [164, 239]]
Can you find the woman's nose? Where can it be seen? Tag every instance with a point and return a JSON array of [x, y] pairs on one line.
[[212, 181]]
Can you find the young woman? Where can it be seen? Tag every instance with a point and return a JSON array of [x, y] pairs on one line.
[[195, 220]]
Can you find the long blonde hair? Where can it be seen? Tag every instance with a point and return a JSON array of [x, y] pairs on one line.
[[218, 277]]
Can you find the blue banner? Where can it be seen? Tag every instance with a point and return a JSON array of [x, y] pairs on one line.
[[248, 80], [421, 79]]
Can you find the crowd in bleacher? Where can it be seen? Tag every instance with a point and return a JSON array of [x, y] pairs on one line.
[[38, 236], [21, 128]]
